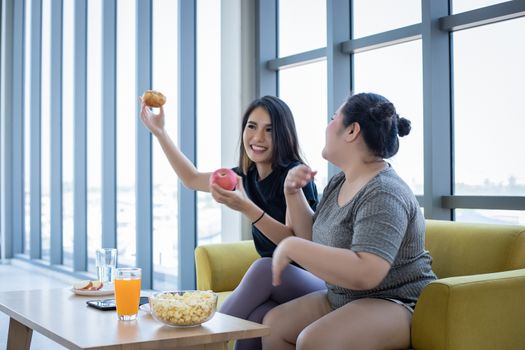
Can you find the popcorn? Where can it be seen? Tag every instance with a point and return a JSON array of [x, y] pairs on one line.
[[187, 308]]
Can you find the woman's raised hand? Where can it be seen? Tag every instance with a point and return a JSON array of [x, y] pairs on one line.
[[154, 122], [297, 178]]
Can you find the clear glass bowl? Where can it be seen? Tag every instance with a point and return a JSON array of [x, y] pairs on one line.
[[187, 308]]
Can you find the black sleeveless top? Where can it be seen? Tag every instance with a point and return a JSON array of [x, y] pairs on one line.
[[268, 194]]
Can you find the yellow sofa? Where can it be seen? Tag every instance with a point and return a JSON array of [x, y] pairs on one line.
[[478, 302]]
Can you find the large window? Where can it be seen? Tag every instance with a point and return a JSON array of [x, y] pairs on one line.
[[454, 88], [491, 216], [165, 204], [27, 127], [303, 89], [126, 138], [456, 73], [68, 145], [374, 16], [396, 73], [488, 116], [466, 5], [302, 26], [209, 114], [94, 131]]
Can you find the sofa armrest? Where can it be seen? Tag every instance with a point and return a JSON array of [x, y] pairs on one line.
[[472, 312], [220, 267]]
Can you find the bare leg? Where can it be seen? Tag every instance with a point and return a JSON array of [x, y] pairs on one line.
[[288, 320], [365, 324]]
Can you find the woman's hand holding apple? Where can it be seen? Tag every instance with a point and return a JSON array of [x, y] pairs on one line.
[[224, 177], [236, 200]]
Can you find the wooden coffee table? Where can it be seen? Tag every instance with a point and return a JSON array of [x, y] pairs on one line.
[[65, 318]]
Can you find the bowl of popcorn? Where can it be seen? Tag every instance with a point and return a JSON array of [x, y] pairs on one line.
[[183, 308]]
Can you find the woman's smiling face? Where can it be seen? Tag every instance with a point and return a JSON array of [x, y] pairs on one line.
[[257, 136]]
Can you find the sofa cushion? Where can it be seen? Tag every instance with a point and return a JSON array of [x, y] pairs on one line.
[[460, 249], [516, 259]]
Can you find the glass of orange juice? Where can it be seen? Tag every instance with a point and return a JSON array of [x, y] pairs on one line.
[[127, 292]]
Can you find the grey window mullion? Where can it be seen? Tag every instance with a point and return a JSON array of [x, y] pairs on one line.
[[437, 123], [483, 16], [35, 242], [109, 116], [55, 200], [266, 37], [187, 118], [144, 198], [388, 38], [484, 202], [338, 63], [421, 200], [80, 144], [6, 105], [298, 59], [17, 170]]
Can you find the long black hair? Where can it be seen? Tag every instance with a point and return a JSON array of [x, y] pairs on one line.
[[379, 122], [285, 148]]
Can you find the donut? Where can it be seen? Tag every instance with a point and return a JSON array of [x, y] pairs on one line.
[[153, 98]]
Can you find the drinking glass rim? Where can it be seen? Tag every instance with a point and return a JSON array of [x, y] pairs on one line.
[[106, 249], [128, 268]]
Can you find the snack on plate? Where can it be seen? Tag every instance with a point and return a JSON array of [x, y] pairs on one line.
[[88, 285], [153, 98], [183, 308]]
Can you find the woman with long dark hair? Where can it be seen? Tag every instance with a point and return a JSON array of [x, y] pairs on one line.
[[269, 148]]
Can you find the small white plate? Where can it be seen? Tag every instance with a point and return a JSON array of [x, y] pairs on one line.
[[108, 289], [145, 308]]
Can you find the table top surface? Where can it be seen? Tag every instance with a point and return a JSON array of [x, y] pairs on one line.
[[64, 317]]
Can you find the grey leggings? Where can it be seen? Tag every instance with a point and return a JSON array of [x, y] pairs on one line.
[[255, 295]]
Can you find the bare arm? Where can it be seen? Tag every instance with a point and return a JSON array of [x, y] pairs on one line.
[[299, 214], [338, 266], [185, 170], [238, 200]]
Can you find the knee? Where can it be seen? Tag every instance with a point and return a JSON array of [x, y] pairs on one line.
[[270, 341], [272, 320], [310, 339], [259, 271], [262, 264], [272, 317], [258, 274]]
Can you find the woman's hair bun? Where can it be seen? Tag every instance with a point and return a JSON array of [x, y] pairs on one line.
[[382, 111], [403, 127]]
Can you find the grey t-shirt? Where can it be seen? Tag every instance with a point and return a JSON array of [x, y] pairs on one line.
[[384, 219]]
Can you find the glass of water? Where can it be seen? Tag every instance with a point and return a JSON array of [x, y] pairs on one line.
[[106, 264]]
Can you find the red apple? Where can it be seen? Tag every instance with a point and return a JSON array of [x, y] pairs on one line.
[[224, 177]]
